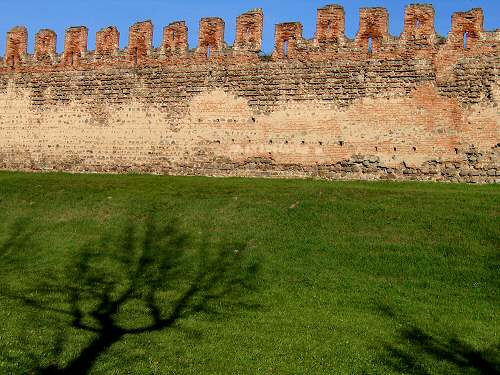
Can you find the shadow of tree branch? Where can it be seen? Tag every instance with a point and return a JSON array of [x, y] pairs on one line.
[[17, 240], [415, 346], [141, 265]]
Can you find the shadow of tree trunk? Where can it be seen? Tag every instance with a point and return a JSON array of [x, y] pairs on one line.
[[139, 266]]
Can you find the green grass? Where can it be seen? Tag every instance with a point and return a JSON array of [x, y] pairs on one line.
[[155, 275]]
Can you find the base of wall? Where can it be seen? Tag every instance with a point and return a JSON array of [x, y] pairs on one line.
[[474, 170]]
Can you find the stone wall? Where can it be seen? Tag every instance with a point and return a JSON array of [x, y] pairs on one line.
[[377, 107]]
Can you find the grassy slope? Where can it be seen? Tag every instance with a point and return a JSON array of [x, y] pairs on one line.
[[351, 277]]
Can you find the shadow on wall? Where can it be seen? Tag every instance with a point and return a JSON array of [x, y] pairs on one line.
[[416, 350], [118, 286]]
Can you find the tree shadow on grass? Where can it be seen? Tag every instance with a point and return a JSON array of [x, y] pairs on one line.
[[416, 348], [145, 279], [18, 240], [14, 248]]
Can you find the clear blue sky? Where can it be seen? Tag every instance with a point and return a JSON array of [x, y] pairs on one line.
[[95, 14]]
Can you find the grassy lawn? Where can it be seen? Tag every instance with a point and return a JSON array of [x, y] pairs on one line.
[[156, 275]]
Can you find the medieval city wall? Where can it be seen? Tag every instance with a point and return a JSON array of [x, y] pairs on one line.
[[418, 106]]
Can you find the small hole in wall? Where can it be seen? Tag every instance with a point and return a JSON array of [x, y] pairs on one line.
[[395, 149], [320, 143], [285, 48], [286, 142], [341, 143], [136, 55], [376, 148], [253, 119], [248, 34], [232, 140], [270, 141], [456, 150], [303, 142], [414, 149]]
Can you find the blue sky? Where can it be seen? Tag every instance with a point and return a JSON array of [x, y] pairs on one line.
[[95, 14]]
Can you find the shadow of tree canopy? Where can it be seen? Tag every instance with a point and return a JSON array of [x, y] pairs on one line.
[[151, 269], [415, 347]]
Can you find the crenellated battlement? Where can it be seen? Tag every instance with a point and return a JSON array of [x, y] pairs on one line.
[[17, 47], [211, 39], [107, 42], [467, 28], [373, 40], [175, 39], [45, 46], [249, 31], [419, 25], [75, 46], [373, 30], [330, 27]]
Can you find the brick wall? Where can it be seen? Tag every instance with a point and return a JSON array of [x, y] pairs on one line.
[[376, 107]]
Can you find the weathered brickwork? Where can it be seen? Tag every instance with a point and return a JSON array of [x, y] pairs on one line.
[[249, 30], [419, 25], [75, 46], [140, 42], [175, 39], [418, 106], [107, 42], [17, 47], [331, 25], [373, 28], [211, 37], [45, 46]]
